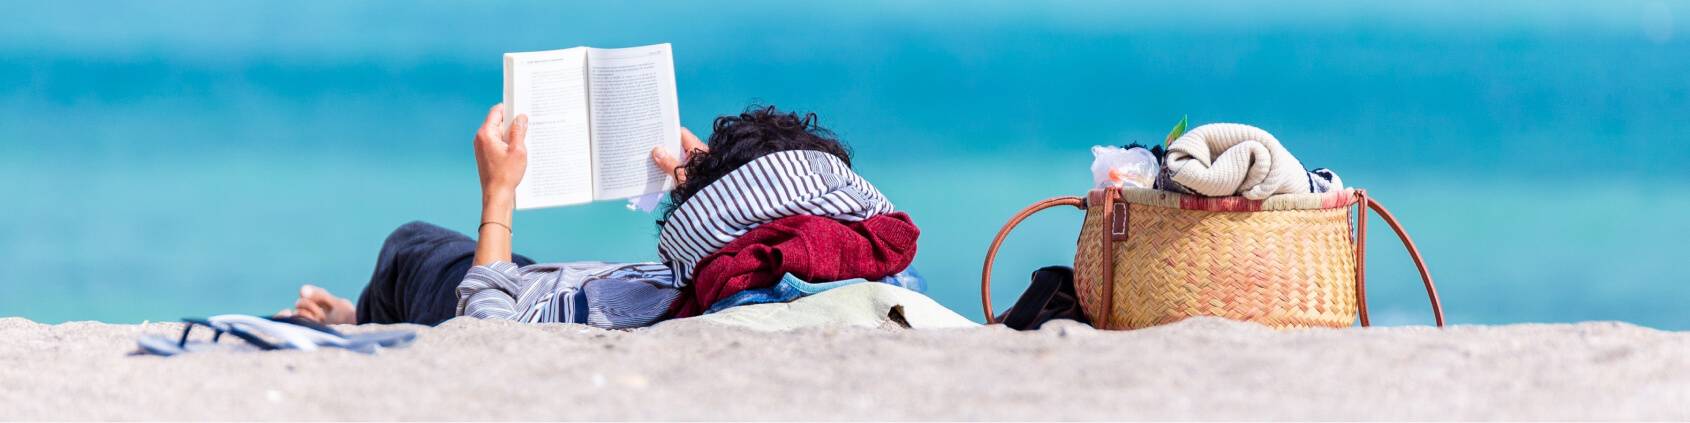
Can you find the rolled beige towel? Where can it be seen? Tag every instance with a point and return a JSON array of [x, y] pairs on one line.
[[1224, 159]]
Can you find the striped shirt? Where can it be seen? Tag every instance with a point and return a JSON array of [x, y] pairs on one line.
[[782, 184], [606, 295]]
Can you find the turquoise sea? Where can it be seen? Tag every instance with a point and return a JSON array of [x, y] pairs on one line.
[[168, 159]]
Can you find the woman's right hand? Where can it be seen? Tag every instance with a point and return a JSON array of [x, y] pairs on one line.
[[501, 157], [673, 165]]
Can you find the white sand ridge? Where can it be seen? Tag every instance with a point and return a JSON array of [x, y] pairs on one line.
[[1200, 368]]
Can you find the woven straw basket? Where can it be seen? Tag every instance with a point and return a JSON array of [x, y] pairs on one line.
[[1148, 257]]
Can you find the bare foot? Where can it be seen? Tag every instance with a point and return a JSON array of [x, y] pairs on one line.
[[318, 305]]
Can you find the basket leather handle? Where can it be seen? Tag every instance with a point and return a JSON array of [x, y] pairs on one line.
[[992, 253], [1363, 202]]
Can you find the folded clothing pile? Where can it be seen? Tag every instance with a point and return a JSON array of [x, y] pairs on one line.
[[811, 248], [1230, 159], [800, 212]]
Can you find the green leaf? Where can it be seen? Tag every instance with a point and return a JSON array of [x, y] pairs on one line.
[[1178, 130]]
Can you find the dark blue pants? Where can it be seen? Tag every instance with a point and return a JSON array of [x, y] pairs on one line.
[[417, 274]]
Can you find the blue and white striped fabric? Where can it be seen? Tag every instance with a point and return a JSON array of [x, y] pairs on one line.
[[605, 295], [782, 184]]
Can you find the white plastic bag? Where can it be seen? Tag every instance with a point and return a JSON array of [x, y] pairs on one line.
[[1113, 167]]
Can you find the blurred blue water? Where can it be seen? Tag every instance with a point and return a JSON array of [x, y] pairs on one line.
[[166, 159]]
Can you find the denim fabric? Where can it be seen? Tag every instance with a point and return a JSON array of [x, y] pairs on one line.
[[417, 274], [791, 288]]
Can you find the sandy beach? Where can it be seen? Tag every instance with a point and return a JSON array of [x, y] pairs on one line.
[[1197, 369]]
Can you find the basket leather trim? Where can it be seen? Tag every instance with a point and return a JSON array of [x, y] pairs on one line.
[[1118, 224], [1319, 201]]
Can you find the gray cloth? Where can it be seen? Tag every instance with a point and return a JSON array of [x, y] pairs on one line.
[[605, 295]]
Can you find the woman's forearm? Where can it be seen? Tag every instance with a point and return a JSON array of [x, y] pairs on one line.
[[493, 240]]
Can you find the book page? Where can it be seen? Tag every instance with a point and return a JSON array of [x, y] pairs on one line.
[[550, 87], [634, 109]]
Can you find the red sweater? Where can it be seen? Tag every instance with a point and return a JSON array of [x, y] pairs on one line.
[[810, 247]]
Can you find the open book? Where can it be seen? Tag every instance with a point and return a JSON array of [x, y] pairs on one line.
[[593, 117]]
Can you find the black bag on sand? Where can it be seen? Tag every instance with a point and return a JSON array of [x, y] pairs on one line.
[[1051, 296]]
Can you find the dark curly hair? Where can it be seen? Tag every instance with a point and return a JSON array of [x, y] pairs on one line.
[[737, 140]]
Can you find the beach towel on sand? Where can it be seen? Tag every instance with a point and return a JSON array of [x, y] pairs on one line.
[[1224, 159], [269, 334], [868, 305]]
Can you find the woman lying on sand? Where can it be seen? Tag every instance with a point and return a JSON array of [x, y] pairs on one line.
[[772, 195]]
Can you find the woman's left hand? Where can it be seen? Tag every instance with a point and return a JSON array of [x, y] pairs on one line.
[[673, 165]]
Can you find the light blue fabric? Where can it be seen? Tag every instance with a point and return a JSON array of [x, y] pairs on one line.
[[791, 288], [599, 294]]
